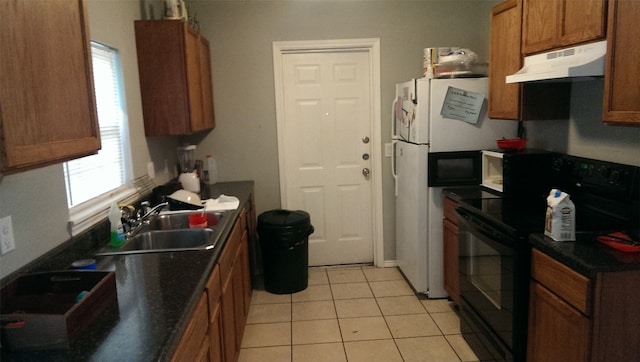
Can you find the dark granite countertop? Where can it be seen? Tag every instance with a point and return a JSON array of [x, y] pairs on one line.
[[586, 255], [157, 294], [467, 192]]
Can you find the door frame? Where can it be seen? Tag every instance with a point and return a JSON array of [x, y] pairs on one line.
[[372, 47]]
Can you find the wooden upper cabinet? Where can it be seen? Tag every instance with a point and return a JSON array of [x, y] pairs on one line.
[[505, 59], [518, 101], [175, 78], [47, 102], [622, 74], [549, 24], [207, 83]]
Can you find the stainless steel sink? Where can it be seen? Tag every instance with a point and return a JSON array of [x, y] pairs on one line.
[[164, 241], [181, 221], [170, 232]]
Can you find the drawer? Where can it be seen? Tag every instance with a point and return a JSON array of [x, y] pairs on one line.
[[566, 283], [449, 210]]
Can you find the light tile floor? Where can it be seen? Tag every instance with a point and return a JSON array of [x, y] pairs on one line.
[[353, 314]]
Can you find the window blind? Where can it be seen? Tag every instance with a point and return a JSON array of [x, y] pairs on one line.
[[94, 181]]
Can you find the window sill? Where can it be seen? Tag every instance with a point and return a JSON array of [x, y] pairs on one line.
[[87, 214]]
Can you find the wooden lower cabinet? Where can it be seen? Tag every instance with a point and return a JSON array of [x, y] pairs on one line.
[[215, 330], [575, 318], [194, 344], [215, 334], [450, 249], [214, 291], [235, 297], [228, 320], [557, 331]]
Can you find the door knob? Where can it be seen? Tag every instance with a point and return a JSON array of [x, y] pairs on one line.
[[365, 139], [366, 172]]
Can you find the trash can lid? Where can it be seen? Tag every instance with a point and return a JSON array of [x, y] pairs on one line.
[[284, 218]]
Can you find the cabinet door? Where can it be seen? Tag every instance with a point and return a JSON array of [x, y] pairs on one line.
[[216, 334], [549, 24], [238, 298], [176, 91], [246, 272], [540, 25], [194, 344], [622, 74], [208, 115], [582, 21], [505, 59], [228, 319], [214, 291], [227, 298], [450, 252], [194, 83], [241, 302], [45, 48], [557, 331]]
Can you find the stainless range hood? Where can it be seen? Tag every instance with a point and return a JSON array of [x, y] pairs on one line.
[[579, 61]]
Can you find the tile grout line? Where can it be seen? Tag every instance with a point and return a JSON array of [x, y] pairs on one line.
[[333, 299]]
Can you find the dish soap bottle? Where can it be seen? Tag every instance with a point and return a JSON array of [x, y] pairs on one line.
[[117, 230], [210, 171]]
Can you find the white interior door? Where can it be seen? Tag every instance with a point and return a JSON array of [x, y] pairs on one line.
[[325, 151]]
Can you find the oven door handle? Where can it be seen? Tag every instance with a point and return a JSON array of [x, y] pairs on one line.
[[475, 224]]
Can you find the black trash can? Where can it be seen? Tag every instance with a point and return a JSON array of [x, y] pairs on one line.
[[284, 237]]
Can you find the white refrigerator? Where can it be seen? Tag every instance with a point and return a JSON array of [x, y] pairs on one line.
[[419, 127]]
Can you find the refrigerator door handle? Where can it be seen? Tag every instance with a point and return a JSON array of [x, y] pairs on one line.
[[394, 135], [393, 166]]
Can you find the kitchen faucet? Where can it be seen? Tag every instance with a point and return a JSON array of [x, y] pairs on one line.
[[137, 221]]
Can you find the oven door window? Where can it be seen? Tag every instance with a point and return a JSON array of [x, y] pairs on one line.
[[486, 279]]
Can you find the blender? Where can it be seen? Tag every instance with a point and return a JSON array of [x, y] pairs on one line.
[[188, 178]]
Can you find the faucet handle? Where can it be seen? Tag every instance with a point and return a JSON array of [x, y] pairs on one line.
[[127, 211], [145, 206]]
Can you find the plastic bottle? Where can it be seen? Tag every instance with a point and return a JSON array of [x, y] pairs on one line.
[[117, 230], [210, 171]]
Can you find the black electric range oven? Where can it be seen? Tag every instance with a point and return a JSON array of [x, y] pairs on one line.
[[494, 253]]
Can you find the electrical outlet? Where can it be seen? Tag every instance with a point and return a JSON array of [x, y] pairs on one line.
[[7, 242], [151, 170]]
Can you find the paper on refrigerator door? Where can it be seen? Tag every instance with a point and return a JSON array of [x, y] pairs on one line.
[[462, 105]]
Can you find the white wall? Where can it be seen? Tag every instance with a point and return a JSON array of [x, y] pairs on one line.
[[584, 134]]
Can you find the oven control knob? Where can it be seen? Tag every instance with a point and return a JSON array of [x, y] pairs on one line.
[[615, 176], [604, 171]]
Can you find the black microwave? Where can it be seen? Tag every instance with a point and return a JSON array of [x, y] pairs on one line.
[[456, 168], [519, 174]]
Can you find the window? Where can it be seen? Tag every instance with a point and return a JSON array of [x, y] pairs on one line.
[[93, 182]]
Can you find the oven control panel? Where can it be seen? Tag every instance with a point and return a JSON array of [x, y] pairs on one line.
[[601, 177]]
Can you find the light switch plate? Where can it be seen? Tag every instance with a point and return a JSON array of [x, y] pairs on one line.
[[7, 242], [387, 150]]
